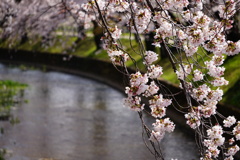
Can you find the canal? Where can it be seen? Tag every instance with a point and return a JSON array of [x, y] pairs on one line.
[[73, 118]]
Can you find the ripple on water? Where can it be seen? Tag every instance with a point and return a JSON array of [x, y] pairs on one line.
[[74, 118]]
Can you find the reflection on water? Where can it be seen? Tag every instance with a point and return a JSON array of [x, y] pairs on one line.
[[73, 118]]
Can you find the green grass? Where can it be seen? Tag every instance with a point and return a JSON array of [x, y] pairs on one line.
[[87, 48], [232, 74], [10, 94]]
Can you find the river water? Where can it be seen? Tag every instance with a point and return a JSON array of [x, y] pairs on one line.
[[74, 118]]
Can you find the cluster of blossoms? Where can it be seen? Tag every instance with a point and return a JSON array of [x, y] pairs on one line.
[[215, 140], [173, 4], [184, 71], [228, 10], [150, 57], [143, 85], [119, 5], [193, 119], [160, 127], [158, 105], [228, 122], [155, 71], [208, 33], [216, 71], [116, 33], [185, 25], [19, 19], [198, 75], [236, 131], [208, 99], [141, 20], [165, 28], [80, 12], [182, 24], [117, 57]]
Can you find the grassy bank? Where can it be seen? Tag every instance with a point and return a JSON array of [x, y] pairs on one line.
[[87, 48]]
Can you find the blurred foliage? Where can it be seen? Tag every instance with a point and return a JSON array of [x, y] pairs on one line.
[[3, 152], [11, 93]]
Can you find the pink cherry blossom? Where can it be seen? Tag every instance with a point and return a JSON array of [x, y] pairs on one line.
[[229, 121]]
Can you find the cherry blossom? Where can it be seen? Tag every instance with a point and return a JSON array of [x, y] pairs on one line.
[[193, 39], [201, 92], [116, 33], [184, 71], [214, 140], [236, 131], [151, 90], [229, 121], [193, 119], [160, 127], [158, 100], [232, 150], [155, 71], [150, 57], [198, 75], [219, 81], [142, 19], [134, 103], [117, 57]]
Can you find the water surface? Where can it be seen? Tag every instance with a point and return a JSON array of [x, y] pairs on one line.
[[74, 118]]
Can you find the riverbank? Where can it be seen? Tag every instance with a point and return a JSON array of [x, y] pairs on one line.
[[96, 69], [86, 48], [99, 70]]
